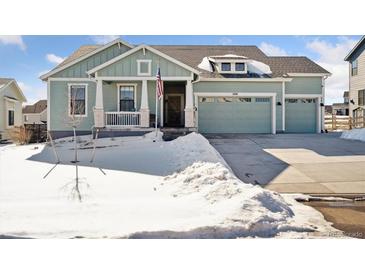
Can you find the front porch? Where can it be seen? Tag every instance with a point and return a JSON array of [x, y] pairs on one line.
[[127, 104]]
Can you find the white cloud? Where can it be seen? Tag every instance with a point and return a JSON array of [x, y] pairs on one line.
[[13, 40], [33, 93], [330, 57], [53, 58], [225, 41], [104, 39], [272, 50]]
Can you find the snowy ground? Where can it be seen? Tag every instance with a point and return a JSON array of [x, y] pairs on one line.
[[177, 189], [354, 134]]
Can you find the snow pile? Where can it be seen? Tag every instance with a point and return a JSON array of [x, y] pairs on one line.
[[140, 187], [254, 66], [354, 134]]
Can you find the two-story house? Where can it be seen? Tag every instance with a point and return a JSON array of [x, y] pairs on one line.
[[356, 59]]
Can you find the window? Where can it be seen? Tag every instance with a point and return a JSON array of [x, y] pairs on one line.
[[354, 68], [77, 99], [224, 99], [206, 99], [240, 66], [361, 97], [243, 100], [25, 118], [127, 97], [262, 100], [10, 118], [291, 101], [226, 67], [144, 67]]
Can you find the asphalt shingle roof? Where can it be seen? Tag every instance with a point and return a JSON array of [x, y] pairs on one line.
[[38, 107], [192, 56]]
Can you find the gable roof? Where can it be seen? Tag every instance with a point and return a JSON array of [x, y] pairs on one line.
[[279, 65], [81, 54], [5, 82], [140, 47], [38, 107], [356, 47], [190, 56]]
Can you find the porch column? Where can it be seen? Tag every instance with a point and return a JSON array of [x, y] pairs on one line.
[[145, 111], [99, 121], [189, 105]]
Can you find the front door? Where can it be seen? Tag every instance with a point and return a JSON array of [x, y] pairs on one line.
[[174, 110]]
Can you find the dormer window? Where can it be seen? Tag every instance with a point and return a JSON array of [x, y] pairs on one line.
[[232, 66], [226, 67], [240, 66]]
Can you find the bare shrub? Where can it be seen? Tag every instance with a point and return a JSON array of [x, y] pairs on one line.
[[20, 135]]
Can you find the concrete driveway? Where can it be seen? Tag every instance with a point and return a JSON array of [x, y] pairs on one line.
[[295, 163]]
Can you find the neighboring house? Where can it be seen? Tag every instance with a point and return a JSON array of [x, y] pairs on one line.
[[342, 108], [211, 89], [11, 99], [356, 59], [36, 113]]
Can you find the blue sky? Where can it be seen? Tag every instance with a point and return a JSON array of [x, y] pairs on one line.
[[26, 57]]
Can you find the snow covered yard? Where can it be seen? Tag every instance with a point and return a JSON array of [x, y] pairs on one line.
[[354, 134], [177, 189]]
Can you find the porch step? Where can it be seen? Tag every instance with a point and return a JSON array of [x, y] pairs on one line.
[[170, 134]]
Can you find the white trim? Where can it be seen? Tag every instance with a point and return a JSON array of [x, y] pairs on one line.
[[354, 49], [302, 95], [17, 86], [148, 73], [140, 78], [71, 79], [68, 100], [45, 76], [279, 79], [134, 85], [272, 95], [11, 108], [155, 51], [233, 66], [49, 105], [309, 74]]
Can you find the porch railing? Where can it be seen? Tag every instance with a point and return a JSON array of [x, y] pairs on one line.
[[122, 119]]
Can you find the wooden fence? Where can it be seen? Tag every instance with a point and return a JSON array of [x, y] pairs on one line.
[[342, 122]]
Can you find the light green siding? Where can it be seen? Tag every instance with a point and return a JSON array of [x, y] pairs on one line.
[[128, 66], [254, 87], [234, 117], [300, 117], [79, 70], [304, 85], [58, 106]]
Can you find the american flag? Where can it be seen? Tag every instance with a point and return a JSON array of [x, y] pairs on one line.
[[159, 85]]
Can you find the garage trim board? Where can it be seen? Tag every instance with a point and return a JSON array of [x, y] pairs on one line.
[[270, 95]]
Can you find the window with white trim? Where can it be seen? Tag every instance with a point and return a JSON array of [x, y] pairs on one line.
[[127, 97], [10, 117], [226, 67], [77, 100], [262, 100], [361, 97], [144, 67], [354, 68]]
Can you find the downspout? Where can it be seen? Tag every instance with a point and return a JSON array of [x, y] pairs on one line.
[[323, 102]]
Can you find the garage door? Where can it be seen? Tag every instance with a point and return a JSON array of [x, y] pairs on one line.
[[234, 115], [300, 115]]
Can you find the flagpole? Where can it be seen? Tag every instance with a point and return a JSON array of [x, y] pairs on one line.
[[156, 111]]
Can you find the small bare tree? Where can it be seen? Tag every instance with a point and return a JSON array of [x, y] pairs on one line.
[[77, 111]]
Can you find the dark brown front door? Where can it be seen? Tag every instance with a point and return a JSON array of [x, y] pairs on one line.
[[174, 110]]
